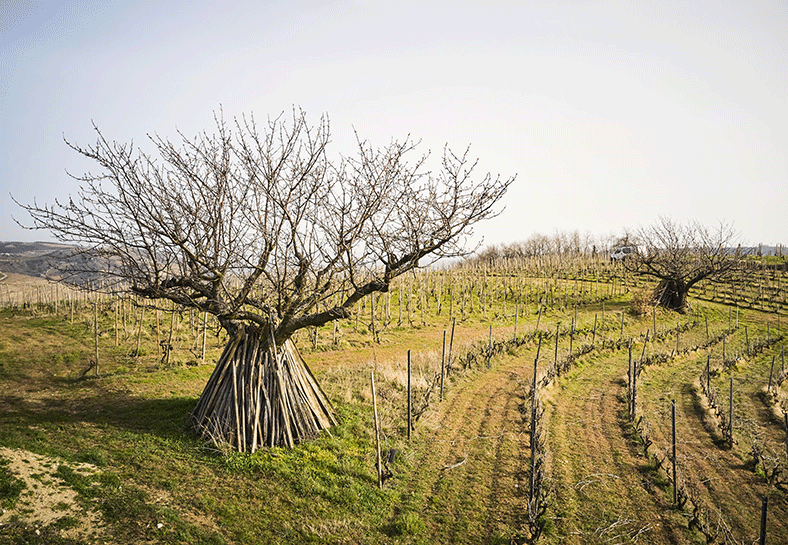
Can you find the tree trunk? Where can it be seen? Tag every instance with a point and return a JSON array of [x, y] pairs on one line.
[[672, 294], [261, 395]]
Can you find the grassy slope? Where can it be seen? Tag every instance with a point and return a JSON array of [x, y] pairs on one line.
[[157, 483]]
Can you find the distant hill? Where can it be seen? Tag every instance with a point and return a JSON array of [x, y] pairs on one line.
[[49, 260]]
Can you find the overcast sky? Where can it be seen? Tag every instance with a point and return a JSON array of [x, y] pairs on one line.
[[610, 113]]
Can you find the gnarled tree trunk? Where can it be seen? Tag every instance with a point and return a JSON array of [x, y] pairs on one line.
[[672, 294], [261, 395]]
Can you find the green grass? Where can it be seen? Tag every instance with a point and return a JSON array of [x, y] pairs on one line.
[[156, 482], [10, 486]]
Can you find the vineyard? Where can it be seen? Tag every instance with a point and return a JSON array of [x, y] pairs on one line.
[[540, 400]]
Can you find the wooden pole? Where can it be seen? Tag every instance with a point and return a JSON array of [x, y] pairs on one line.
[[377, 430], [204, 333], [708, 373], [785, 417], [139, 332], [771, 372], [451, 345], [629, 381], [533, 432], [95, 334], [516, 312], [764, 511], [730, 414], [489, 348], [410, 411], [654, 318], [116, 323], [675, 475], [603, 316], [443, 363]]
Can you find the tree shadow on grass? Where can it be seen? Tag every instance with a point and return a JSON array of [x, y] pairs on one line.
[[26, 420]]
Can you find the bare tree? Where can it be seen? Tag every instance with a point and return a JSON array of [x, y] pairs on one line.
[[261, 229], [681, 255]]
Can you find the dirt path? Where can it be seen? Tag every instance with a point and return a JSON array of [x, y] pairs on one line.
[[472, 459], [470, 482], [45, 499], [728, 487], [604, 491]]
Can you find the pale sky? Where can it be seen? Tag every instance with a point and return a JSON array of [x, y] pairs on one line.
[[610, 113]]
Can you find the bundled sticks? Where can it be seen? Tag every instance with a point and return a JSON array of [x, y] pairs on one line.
[[260, 396]]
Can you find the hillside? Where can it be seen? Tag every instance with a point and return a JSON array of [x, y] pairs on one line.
[[115, 436]]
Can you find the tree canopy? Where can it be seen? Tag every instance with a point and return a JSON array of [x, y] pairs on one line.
[[244, 222], [260, 227], [681, 255]]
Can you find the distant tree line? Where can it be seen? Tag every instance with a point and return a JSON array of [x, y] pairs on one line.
[[562, 244]]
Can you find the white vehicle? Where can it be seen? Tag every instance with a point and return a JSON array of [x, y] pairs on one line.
[[622, 252]]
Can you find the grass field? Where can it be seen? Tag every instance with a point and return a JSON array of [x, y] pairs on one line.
[[95, 454]]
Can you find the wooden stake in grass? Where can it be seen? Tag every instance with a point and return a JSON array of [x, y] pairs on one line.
[[785, 418], [532, 491], [654, 318], [95, 334], [771, 372], [377, 430], [451, 345], [443, 363], [204, 334], [675, 474], [764, 511], [516, 312], [629, 383], [730, 414], [489, 349], [139, 333], [410, 408]]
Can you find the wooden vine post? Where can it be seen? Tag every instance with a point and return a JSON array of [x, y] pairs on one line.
[[377, 430], [451, 345], [489, 349], [764, 512], [95, 334], [532, 489], [139, 333], [785, 417], [204, 334], [771, 372], [730, 414], [410, 407], [675, 474], [443, 363]]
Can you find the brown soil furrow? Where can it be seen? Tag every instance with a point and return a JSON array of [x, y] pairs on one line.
[[481, 425], [727, 485], [602, 486]]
